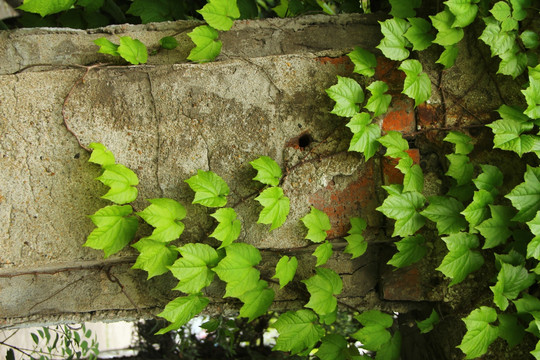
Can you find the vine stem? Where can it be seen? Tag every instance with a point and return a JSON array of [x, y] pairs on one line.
[[16, 348]]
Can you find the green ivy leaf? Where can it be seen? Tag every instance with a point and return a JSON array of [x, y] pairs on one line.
[[533, 248], [275, 207], [210, 189], [323, 252], [532, 93], [448, 56], [181, 310], [132, 50], [317, 223], [285, 270], [121, 180], [526, 196], [417, 85], [511, 280], [298, 331], [410, 250], [461, 141], [168, 42], [460, 260], [220, 14], [495, 229], [508, 131], [419, 34], [498, 40], [101, 155], [426, 325], [404, 8], [446, 34], [373, 335], [512, 63], [115, 229], [502, 12], [395, 144], [228, 228], [46, 7], [107, 47], [333, 347], [364, 61], [356, 244], [154, 257], [256, 301], [347, 93], [165, 215], [268, 171], [394, 41], [390, 350], [445, 212], [193, 268], [207, 48], [510, 330], [530, 39], [477, 211], [365, 135], [519, 7], [479, 333], [490, 179], [414, 179], [322, 287], [237, 270], [152, 10], [378, 102], [460, 168], [403, 207], [464, 11]]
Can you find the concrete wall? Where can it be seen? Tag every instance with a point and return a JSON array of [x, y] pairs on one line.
[[169, 118]]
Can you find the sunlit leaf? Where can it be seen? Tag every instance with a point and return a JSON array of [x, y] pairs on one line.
[[285, 270], [275, 207], [193, 268], [480, 334], [347, 93], [210, 189], [268, 171], [364, 61], [461, 260], [356, 244], [298, 331], [228, 228], [323, 286], [181, 310], [317, 223], [154, 257]]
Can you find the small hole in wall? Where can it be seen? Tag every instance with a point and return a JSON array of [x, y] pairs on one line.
[[304, 141]]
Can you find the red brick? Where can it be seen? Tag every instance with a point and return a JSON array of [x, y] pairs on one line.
[[391, 175], [430, 117], [387, 71], [402, 285], [400, 115], [342, 63]]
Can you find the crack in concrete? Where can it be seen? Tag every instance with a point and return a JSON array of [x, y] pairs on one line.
[[158, 132]]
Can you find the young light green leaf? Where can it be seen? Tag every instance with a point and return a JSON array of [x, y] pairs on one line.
[[132, 50], [323, 252], [373, 335], [317, 223], [101, 155], [322, 287], [285, 270], [461, 141], [480, 334], [530, 39], [206, 46], [154, 257], [477, 211], [106, 46], [256, 301], [237, 269], [532, 93], [394, 42], [511, 280], [446, 34], [347, 93], [464, 11], [533, 248], [445, 212], [275, 207], [333, 347], [365, 135], [181, 310], [460, 260], [508, 131], [121, 180], [115, 229], [220, 14], [298, 331], [268, 171], [356, 244], [526, 196], [46, 7], [490, 179], [390, 350], [404, 209], [364, 61], [510, 330], [168, 42], [378, 101], [210, 189], [193, 268], [512, 63], [426, 325], [417, 85], [228, 228], [410, 250], [495, 229], [498, 40], [502, 12], [460, 168], [395, 144], [448, 56], [404, 8], [419, 33], [413, 179], [165, 215]]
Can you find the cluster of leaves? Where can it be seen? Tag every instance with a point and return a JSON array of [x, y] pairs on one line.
[[60, 341], [472, 213]]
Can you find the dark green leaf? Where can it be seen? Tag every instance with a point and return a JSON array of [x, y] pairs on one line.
[[511, 280], [322, 288], [410, 250], [446, 213], [526, 196], [426, 325], [495, 229], [168, 42]]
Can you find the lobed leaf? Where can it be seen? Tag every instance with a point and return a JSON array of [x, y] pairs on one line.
[[46, 7], [499, 41], [364, 61], [526, 196], [378, 101], [446, 213], [207, 48], [511, 281], [417, 85], [237, 269], [275, 207], [395, 144], [101, 155], [181, 310], [298, 331], [426, 325], [365, 135], [532, 93], [460, 168], [410, 250], [419, 34], [460, 260], [448, 56], [164, 214], [393, 45], [495, 229], [322, 287], [347, 93], [285, 270], [508, 131], [193, 268], [268, 171], [490, 179], [446, 34], [333, 347], [154, 256], [356, 244], [461, 141], [317, 223], [210, 189], [480, 334], [464, 11], [121, 180], [477, 211], [323, 252], [256, 301], [220, 14], [228, 228], [403, 207], [413, 179]]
